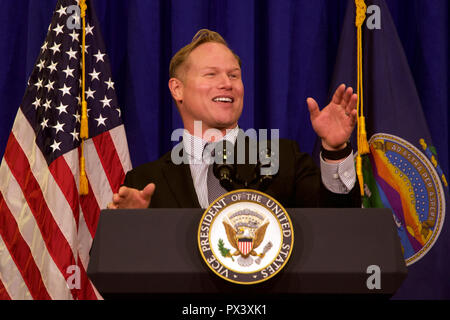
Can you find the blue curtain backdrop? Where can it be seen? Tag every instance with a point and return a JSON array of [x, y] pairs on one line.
[[288, 49]]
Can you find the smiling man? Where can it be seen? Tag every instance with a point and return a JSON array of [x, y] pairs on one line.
[[206, 85]]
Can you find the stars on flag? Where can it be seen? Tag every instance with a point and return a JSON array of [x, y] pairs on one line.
[[99, 56], [55, 146], [86, 46], [49, 85], [62, 11], [72, 54], [62, 108], [106, 102], [68, 72], [58, 127], [47, 104], [44, 46], [65, 90], [41, 65], [89, 29], [38, 84], [52, 66], [75, 135], [58, 29], [101, 121], [94, 74], [54, 89], [37, 103], [44, 123], [89, 93], [74, 35], [77, 117], [55, 48], [110, 84]]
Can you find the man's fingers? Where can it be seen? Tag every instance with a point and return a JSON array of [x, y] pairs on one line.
[[313, 107], [353, 116], [338, 94], [347, 96], [352, 103], [131, 198], [148, 191], [116, 198], [124, 192], [111, 205]]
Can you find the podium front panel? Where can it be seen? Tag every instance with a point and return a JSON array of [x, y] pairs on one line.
[[336, 251]]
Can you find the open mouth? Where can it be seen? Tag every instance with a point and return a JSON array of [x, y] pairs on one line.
[[223, 99]]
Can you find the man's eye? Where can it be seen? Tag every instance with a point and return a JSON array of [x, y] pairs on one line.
[[210, 74], [233, 76]]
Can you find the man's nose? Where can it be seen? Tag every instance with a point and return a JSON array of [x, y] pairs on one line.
[[225, 82]]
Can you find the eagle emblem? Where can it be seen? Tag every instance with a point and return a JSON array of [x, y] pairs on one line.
[[245, 231], [241, 237]]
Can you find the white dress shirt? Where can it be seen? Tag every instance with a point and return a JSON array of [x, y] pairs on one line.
[[336, 177]]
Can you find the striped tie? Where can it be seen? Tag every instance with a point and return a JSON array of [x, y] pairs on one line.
[[215, 190]]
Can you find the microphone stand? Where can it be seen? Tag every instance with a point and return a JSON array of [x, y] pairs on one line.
[[234, 176]]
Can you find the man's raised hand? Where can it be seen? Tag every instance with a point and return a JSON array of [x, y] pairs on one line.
[[130, 198], [335, 123]]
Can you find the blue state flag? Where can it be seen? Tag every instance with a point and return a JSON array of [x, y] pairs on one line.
[[401, 170]]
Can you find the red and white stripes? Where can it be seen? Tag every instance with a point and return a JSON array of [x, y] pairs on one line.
[[45, 226]]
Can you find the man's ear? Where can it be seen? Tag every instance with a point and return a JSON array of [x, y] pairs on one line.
[[176, 89]]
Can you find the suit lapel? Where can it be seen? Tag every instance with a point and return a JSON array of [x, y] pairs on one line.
[[180, 183], [179, 180]]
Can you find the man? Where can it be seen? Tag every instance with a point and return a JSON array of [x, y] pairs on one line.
[[206, 85]]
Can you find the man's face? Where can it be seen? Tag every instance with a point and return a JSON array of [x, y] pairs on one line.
[[212, 90]]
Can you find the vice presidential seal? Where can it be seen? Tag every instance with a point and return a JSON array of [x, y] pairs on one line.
[[245, 237]]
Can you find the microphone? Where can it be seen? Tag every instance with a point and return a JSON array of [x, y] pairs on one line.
[[264, 180], [223, 171], [241, 176]]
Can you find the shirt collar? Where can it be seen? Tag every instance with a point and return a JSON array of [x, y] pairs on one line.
[[194, 145]]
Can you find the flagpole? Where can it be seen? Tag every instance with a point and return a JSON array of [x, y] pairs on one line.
[[84, 131], [363, 146]]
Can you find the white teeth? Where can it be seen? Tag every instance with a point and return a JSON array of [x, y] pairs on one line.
[[222, 99]]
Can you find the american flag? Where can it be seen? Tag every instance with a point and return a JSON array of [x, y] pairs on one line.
[[46, 227]]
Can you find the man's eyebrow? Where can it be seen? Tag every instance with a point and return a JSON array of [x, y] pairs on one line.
[[204, 68], [216, 68]]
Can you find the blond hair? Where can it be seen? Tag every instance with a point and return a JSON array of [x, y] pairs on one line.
[[202, 36]]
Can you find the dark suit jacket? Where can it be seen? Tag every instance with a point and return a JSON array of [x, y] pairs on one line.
[[297, 184]]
